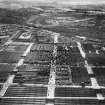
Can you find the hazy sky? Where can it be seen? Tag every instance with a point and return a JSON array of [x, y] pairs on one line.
[[67, 1], [73, 1], [91, 1]]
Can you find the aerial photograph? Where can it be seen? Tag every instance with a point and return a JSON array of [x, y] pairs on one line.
[[52, 52]]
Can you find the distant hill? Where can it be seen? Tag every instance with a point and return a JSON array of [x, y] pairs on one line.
[[19, 16]]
